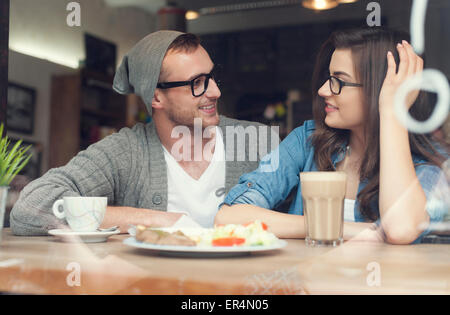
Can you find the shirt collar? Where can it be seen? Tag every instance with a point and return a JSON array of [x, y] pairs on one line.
[[339, 155]]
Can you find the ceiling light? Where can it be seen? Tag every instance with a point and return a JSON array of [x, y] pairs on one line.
[[320, 4], [347, 1], [192, 15]]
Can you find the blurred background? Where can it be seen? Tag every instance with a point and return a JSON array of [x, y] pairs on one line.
[[60, 65]]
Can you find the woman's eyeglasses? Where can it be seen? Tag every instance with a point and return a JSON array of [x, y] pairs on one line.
[[336, 84], [199, 84]]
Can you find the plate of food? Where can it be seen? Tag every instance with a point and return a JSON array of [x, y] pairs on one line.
[[220, 241]]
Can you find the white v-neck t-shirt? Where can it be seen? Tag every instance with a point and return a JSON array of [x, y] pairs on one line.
[[198, 199], [349, 210]]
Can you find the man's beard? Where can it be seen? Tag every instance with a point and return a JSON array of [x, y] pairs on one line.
[[186, 118]]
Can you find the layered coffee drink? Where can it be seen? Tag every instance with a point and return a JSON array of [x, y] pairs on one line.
[[323, 196]]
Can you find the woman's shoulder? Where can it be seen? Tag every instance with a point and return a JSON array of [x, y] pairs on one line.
[[439, 148], [306, 129], [299, 138]]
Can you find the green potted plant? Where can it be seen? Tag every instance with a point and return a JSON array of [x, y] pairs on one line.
[[12, 161]]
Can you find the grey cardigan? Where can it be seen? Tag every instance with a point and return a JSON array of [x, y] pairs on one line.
[[128, 167]]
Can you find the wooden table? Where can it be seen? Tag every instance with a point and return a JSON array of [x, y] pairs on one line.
[[45, 265]]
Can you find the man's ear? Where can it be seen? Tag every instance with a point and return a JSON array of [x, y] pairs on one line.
[[156, 100]]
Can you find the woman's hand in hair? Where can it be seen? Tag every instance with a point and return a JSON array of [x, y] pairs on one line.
[[410, 64]]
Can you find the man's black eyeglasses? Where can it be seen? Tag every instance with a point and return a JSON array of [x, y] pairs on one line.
[[199, 84], [336, 84]]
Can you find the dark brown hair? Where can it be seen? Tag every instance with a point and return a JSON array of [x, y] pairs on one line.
[[369, 47], [185, 43]]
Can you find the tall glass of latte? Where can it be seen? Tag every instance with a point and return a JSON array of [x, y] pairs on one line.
[[323, 196]]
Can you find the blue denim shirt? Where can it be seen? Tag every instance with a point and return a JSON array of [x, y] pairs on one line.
[[278, 174]]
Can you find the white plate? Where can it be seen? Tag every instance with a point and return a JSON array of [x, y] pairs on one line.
[[203, 251], [87, 237]]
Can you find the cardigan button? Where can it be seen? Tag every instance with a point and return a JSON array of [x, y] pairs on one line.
[[157, 199], [249, 184]]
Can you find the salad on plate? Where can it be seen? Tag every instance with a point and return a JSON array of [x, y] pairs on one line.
[[229, 235]]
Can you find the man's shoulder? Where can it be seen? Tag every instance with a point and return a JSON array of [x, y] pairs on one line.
[[138, 131], [126, 139]]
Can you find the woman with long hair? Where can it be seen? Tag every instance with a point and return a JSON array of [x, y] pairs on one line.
[[391, 173]]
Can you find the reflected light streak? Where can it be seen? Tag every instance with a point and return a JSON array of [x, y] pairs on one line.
[[430, 80], [38, 51]]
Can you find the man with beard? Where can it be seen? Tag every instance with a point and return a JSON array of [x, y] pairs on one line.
[[179, 166]]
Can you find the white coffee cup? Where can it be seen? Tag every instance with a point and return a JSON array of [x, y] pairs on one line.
[[83, 214]]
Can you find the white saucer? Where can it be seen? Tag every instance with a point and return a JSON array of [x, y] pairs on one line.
[[86, 237]]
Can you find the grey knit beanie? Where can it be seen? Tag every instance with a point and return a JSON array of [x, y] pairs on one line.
[[141, 66]]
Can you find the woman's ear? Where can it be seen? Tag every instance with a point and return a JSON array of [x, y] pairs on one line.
[[156, 100]]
